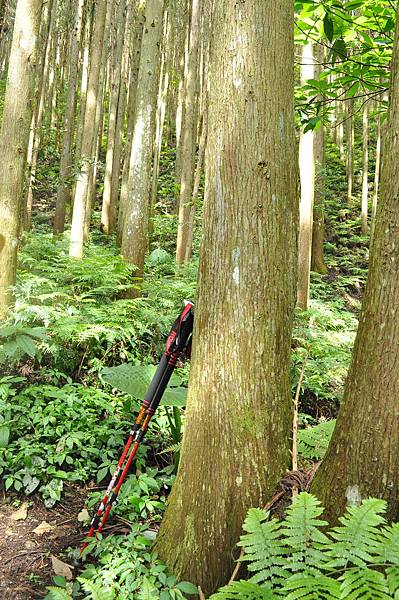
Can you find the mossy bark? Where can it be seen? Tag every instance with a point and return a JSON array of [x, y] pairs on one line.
[[238, 422], [363, 457]]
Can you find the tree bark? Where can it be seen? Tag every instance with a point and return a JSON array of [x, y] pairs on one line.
[[349, 151], [317, 255], [88, 133], [238, 419], [14, 139], [63, 195], [365, 171], [136, 41], [189, 135], [307, 175], [376, 176], [363, 457], [108, 212], [135, 232]]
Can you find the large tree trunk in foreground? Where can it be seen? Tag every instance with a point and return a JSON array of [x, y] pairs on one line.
[[238, 421], [14, 139], [363, 457]]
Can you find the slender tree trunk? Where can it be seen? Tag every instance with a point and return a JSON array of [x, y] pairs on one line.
[[317, 254], [238, 418], [88, 134], [376, 176], [135, 232], [63, 196], [307, 175], [37, 130], [98, 124], [162, 95], [197, 181], [340, 130], [14, 139], [189, 135], [137, 34], [349, 151], [83, 86], [363, 456], [108, 213], [365, 170]]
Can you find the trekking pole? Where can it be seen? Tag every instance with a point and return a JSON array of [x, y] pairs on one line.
[[178, 341]]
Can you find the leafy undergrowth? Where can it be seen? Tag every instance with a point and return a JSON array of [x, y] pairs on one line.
[[65, 405], [297, 558]]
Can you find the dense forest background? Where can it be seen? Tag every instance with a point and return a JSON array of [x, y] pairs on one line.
[[243, 155]]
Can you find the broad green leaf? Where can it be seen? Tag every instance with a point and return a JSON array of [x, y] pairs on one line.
[[4, 436], [328, 24], [26, 344]]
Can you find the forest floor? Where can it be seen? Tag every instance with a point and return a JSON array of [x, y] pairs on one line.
[[30, 537]]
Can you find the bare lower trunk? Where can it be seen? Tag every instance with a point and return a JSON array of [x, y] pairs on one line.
[[66, 155], [88, 134], [238, 418], [307, 175], [376, 176], [135, 233], [14, 139], [189, 135], [349, 151], [365, 170]]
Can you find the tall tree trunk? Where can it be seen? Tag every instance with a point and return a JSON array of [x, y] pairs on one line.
[[376, 176], [136, 41], [197, 181], [66, 155], [349, 150], [88, 134], [307, 175], [135, 232], [365, 170], [238, 418], [189, 135], [317, 254], [37, 131], [363, 456], [108, 213], [14, 139], [340, 130]]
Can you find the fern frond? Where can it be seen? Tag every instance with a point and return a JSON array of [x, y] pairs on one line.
[[243, 590], [302, 535], [57, 593], [364, 584], [310, 587], [388, 545], [357, 536], [392, 574], [313, 441], [96, 590], [264, 549]]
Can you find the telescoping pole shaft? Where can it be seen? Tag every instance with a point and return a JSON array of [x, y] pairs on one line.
[[178, 341]]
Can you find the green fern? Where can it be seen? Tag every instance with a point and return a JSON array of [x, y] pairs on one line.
[[302, 534], [57, 593], [358, 536], [244, 590], [295, 560], [363, 583], [311, 587], [264, 549], [313, 441]]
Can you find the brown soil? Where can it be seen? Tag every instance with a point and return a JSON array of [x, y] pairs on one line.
[[25, 563]]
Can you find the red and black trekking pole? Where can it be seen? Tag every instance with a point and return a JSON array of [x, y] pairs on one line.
[[178, 342]]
